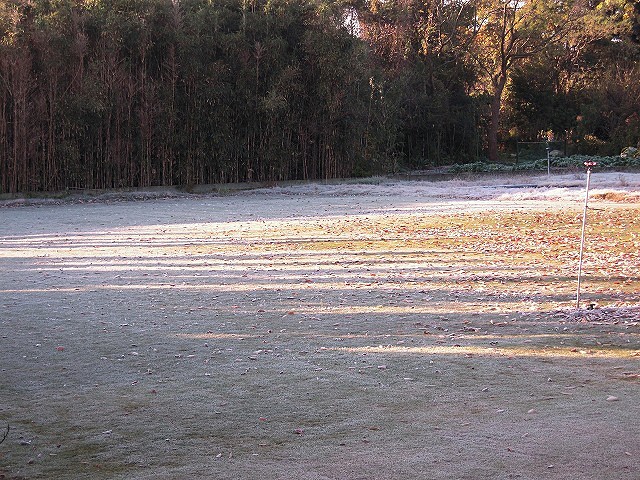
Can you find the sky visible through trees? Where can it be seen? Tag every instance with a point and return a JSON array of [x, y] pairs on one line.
[[135, 93]]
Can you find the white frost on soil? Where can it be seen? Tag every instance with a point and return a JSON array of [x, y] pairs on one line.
[[520, 187], [617, 186]]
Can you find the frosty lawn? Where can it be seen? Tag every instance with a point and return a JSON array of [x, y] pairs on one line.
[[391, 331]]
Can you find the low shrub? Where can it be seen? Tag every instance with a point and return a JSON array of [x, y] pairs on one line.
[[563, 163]]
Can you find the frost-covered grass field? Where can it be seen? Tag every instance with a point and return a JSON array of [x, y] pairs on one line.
[[370, 330]]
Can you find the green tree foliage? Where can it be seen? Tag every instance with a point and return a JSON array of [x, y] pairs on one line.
[[100, 94], [133, 93], [420, 74], [585, 87]]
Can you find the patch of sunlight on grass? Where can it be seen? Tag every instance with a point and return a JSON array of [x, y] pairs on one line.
[[614, 352]]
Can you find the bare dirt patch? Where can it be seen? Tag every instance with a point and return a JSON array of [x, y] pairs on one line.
[[319, 336]]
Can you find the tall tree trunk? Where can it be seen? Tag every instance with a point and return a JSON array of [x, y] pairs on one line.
[[494, 118], [5, 123]]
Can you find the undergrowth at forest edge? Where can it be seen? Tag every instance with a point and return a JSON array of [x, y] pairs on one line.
[[574, 162]]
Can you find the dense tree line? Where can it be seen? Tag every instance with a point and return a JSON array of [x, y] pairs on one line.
[[120, 93]]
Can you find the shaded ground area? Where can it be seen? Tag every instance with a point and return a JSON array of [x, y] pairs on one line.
[[320, 334]]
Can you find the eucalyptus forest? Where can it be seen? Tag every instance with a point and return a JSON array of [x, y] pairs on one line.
[[137, 93]]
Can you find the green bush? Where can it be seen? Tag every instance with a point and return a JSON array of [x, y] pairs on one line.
[[575, 162]]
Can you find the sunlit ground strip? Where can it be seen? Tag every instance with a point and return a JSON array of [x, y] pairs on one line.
[[231, 287], [397, 337], [516, 351], [452, 288], [254, 230], [189, 248], [503, 351], [425, 264]]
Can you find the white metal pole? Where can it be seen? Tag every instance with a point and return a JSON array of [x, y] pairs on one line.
[[589, 165]]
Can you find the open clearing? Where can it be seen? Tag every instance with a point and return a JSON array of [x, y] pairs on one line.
[[402, 330]]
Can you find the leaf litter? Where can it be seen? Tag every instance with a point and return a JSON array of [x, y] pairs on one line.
[[403, 330]]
